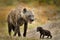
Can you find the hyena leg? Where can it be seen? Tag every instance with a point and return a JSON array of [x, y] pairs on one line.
[[40, 35], [15, 32], [19, 32], [13, 28], [43, 36], [25, 29], [47, 36], [50, 36], [9, 29]]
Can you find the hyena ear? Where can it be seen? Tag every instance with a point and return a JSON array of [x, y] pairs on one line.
[[24, 10]]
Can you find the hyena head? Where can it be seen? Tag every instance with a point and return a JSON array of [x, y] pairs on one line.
[[28, 15], [39, 29]]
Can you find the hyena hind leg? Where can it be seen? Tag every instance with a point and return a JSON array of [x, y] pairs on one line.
[[9, 29]]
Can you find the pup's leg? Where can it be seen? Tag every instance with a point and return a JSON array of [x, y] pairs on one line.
[[40, 35]]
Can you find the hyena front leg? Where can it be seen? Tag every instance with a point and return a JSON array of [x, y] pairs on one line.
[[17, 30], [25, 29]]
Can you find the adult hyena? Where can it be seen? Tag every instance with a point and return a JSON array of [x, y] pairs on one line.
[[18, 17]]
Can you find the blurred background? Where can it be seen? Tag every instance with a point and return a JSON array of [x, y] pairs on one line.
[[47, 14], [45, 8]]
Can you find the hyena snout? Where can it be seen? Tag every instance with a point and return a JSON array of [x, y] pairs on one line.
[[32, 19]]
